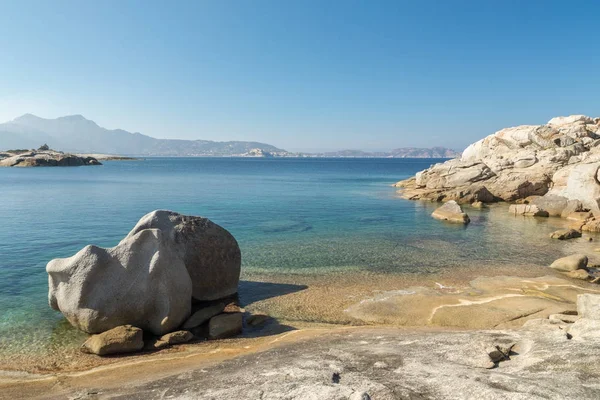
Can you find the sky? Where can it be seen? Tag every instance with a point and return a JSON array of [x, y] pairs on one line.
[[302, 75]]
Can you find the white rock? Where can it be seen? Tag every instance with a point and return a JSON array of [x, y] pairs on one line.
[[148, 279]]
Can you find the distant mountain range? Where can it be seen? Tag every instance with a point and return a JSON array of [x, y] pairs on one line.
[[77, 134], [403, 152]]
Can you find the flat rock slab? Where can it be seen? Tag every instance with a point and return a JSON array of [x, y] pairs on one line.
[[502, 302], [389, 364]]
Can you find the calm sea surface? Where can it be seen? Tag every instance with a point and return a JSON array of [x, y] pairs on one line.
[[315, 216]]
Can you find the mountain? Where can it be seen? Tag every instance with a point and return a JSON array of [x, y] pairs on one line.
[[415, 152], [403, 152], [77, 134]]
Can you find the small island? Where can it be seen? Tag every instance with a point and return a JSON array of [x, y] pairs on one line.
[[44, 157]]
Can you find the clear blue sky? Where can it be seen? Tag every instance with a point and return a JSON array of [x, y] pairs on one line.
[[302, 74]]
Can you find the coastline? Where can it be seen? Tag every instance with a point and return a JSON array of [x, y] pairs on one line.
[[131, 375], [315, 306], [300, 302]]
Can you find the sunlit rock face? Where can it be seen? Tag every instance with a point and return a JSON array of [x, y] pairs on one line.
[[560, 158], [149, 279]]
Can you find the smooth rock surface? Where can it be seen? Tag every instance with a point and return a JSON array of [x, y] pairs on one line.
[[451, 212], [149, 278], [418, 365], [585, 329], [588, 306], [210, 253], [142, 281], [570, 263], [122, 339]]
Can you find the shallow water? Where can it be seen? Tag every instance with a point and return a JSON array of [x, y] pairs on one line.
[[290, 216]]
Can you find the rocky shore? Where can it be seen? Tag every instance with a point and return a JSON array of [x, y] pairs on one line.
[[44, 158], [553, 167]]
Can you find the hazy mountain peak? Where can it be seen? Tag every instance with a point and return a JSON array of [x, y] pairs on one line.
[[75, 133], [75, 117], [26, 117]]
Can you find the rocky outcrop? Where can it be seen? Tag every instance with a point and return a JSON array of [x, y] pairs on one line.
[[451, 212], [45, 158], [559, 160], [149, 278]]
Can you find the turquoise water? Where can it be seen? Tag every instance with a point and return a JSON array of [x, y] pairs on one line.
[[316, 216]]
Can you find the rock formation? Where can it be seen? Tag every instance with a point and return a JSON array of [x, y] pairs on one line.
[[44, 158], [148, 279], [559, 161]]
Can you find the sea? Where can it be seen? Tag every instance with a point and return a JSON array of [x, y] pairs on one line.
[[290, 216]]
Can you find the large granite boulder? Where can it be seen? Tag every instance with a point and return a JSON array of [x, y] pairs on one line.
[[149, 278], [560, 158], [210, 253]]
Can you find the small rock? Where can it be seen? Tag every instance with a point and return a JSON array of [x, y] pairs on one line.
[[172, 338], [569, 319], [478, 204], [506, 349], [335, 378], [203, 315], [122, 339], [528, 210], [496, 354], [232, 307], [564, 234], [225, 325], [570, 263], [451, 212]]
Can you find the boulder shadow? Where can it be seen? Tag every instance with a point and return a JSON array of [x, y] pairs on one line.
[[250, 292]]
